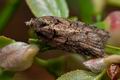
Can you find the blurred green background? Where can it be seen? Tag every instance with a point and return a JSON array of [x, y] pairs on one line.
[[16, 29]]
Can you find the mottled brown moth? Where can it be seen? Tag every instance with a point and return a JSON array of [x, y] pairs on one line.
[[71, 36]]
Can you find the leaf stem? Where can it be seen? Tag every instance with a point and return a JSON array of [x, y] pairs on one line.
[[41, 62], [100, 75], [98, 17], [112, 49], [54, 66]]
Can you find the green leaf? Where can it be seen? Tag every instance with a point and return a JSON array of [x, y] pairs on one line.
[[6, 75], [114, 2], [99, 6], [83, 8], [73, 18], [42, 46], [109, 49], [102, 76], [63, 8], [78, 75], [54, 66], [59, 65], [5, 41], [86, 10], [83, 75], [7, 12], [101, 25], [32, 34], [48, 8]]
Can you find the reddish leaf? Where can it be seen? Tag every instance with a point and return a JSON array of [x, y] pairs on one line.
[[114, 71], [113, 21]]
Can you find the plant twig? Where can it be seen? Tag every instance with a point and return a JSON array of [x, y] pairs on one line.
[[41, 62], [100, 75], [112, 50]]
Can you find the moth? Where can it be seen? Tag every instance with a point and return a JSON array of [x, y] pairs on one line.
[[71, 36]]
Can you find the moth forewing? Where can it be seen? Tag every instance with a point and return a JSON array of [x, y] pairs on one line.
[[72, 36]]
